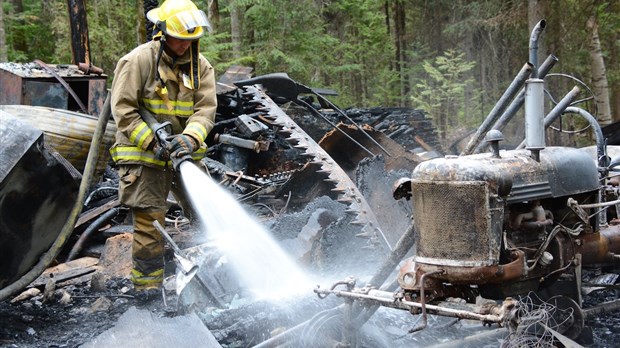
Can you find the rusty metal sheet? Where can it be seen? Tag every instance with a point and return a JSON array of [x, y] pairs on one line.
[[349, 155], [97, 93], [40, 93], [10, 88]]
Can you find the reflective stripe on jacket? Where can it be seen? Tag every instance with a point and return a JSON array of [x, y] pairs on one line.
[[189, 111], [134, 154]]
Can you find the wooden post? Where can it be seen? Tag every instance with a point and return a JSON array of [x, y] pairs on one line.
[[79, 31]]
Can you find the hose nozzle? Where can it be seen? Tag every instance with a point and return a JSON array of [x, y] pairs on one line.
[[176, 162]]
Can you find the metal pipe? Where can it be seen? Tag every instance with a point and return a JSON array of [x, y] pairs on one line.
[[499, 107], [404, 244], [422, 325], [387, 299], [369, 311], [517, 103], [599, 205], [561, 106], [348, 332], [89, 170], [292, 333], [557, 110], [534, 46], [605, 307], [402, 247], [240, 142], [534, 115], [603, 161]]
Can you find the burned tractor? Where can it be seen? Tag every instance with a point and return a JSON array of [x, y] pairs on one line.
[[502, 225]]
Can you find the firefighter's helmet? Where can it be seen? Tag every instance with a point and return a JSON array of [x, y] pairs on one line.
[[180, 19]]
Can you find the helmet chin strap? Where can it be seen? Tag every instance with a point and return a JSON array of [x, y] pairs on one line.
[[159, 32], [194, 64]]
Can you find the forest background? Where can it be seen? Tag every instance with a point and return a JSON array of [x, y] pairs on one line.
[[451, 58]]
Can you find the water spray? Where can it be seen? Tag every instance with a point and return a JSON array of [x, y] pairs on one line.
[[260, 263], [188, 268]]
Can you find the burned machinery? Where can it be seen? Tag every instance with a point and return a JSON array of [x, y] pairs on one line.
[[505, 224]]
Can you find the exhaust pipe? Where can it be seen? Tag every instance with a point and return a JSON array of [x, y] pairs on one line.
[[534, 98], [534, 46], [557, 110]]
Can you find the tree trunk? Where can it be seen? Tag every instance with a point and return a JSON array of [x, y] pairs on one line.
[[400, 45], [599, 76], [614, 87], [235, 29], [3, 49], [214, 13], [140, 19]]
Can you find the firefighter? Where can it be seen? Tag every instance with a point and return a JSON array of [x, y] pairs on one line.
[[169, 77]]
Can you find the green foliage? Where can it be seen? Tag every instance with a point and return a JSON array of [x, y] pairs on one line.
[[113, 27], [30, 34], [287, 36], [215, 47], [446, 91], [360, 62], [351, 46]]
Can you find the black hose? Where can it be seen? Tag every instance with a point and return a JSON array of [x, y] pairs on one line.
[[102, 219]]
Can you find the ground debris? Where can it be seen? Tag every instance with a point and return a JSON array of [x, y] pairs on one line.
[[32, 292]]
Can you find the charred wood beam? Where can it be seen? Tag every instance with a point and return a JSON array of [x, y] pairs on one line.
[[79, 31]]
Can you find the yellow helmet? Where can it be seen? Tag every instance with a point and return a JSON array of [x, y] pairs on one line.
[[180, 19]]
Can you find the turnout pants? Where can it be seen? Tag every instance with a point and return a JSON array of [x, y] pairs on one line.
[[144, 190]]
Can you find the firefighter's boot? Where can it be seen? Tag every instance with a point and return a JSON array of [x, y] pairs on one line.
[[147, 250]]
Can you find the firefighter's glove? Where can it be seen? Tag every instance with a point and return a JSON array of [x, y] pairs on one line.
[[181, 145]]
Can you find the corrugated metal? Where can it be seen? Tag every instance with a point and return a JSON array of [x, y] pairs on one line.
[[68, 132]]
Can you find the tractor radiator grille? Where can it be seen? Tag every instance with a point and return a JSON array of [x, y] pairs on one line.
[[452, 221]]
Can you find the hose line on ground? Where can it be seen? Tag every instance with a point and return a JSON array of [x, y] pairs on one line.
[[102, 219], [67, 229]]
